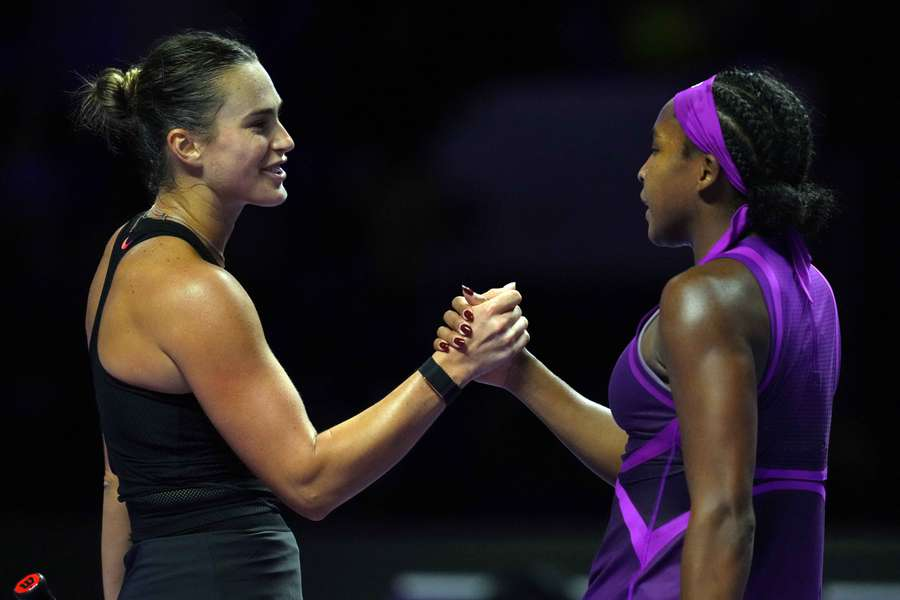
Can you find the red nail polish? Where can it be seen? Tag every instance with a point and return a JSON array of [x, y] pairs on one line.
[[465, 329], [468, 291], [444, 346], [469, 315], [459, 342]]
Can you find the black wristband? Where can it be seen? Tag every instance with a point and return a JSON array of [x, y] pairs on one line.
[[439, 381]]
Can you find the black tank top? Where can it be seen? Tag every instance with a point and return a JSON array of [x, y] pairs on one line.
[[176, 472]]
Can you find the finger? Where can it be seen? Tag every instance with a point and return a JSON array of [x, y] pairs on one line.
[[440, 345], [455, 322], [452, 319], [493, 292], [453, 338], [512, 335], [446, 334], [463, 308], [506, 320], [505, 301], [473, 297], [522, 342]]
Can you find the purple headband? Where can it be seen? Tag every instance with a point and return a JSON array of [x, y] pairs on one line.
[[695, 111]]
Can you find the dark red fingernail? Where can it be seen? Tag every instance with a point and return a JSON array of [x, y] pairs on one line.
[[467, 290], [465, 329], [444, 346], [469, 315], [459, 342]]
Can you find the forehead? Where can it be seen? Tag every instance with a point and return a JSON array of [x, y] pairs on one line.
[[666, 125], [247, 87]]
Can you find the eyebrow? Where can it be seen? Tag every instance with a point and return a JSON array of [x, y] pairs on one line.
[[265, 111]]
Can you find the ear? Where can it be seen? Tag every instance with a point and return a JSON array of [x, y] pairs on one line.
[[185, 147], [708, 171]]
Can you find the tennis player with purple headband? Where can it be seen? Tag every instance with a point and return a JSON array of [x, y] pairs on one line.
[[716, 436]]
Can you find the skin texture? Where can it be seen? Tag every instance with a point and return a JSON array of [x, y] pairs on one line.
[[711, 340]]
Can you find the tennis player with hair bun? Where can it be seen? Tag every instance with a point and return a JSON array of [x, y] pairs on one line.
[[205, 436]]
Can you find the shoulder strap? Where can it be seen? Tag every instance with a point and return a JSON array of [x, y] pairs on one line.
[[114, 257]]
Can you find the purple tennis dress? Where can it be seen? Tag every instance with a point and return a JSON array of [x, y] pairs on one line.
[[640, 555]]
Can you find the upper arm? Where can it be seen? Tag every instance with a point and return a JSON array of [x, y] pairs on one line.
[[712, 373], [212, 331]]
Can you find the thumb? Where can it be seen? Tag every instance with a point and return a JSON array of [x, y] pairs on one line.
[[473, 297]]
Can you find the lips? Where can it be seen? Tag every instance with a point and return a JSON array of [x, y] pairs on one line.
[[276, 173]]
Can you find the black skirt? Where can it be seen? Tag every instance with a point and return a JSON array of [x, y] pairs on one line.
[[251, 563]]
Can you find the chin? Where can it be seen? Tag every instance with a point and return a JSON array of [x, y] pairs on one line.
[[272, 199]]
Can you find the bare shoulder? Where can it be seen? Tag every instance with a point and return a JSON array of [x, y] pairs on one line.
[[200, 298], [719, 297]]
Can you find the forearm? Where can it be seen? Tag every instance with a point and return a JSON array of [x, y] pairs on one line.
[[115, 532], [715, 560], [352, 455], [586, 428]]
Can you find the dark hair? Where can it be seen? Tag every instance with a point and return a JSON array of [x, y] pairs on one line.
[[766, 127], [175, 85]]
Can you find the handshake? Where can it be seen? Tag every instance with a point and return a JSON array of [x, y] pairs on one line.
[[482, 337]]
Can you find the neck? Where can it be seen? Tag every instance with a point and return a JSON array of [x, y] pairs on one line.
[[207, 217], [712, 225]]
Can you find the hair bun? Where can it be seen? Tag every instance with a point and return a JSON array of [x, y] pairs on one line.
[[129, 83]]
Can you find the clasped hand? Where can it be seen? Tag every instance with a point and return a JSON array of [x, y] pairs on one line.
[[488, 329]]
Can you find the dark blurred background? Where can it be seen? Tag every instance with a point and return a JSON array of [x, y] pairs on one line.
[[437, 145]]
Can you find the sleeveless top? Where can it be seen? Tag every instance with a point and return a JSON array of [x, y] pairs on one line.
[[640, 555], [176, 472]]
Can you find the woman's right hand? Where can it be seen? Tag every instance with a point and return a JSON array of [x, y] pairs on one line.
[[489, 329]]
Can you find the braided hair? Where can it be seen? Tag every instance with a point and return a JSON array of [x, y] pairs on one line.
[[175, 85], [766, 128]]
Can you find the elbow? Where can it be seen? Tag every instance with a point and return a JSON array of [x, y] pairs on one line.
[[311, 499], [735, 518], [310, 504], [314, 494]]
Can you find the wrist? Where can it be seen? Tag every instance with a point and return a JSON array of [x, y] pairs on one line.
[[455, 364], [517, 375]]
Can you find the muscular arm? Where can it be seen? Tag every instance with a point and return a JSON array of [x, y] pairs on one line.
[[115, 534], [585, 427], [221, 349], [711, 371]]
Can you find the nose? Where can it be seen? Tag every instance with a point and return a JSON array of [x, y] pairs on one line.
[[284, 142], [640, 174]]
